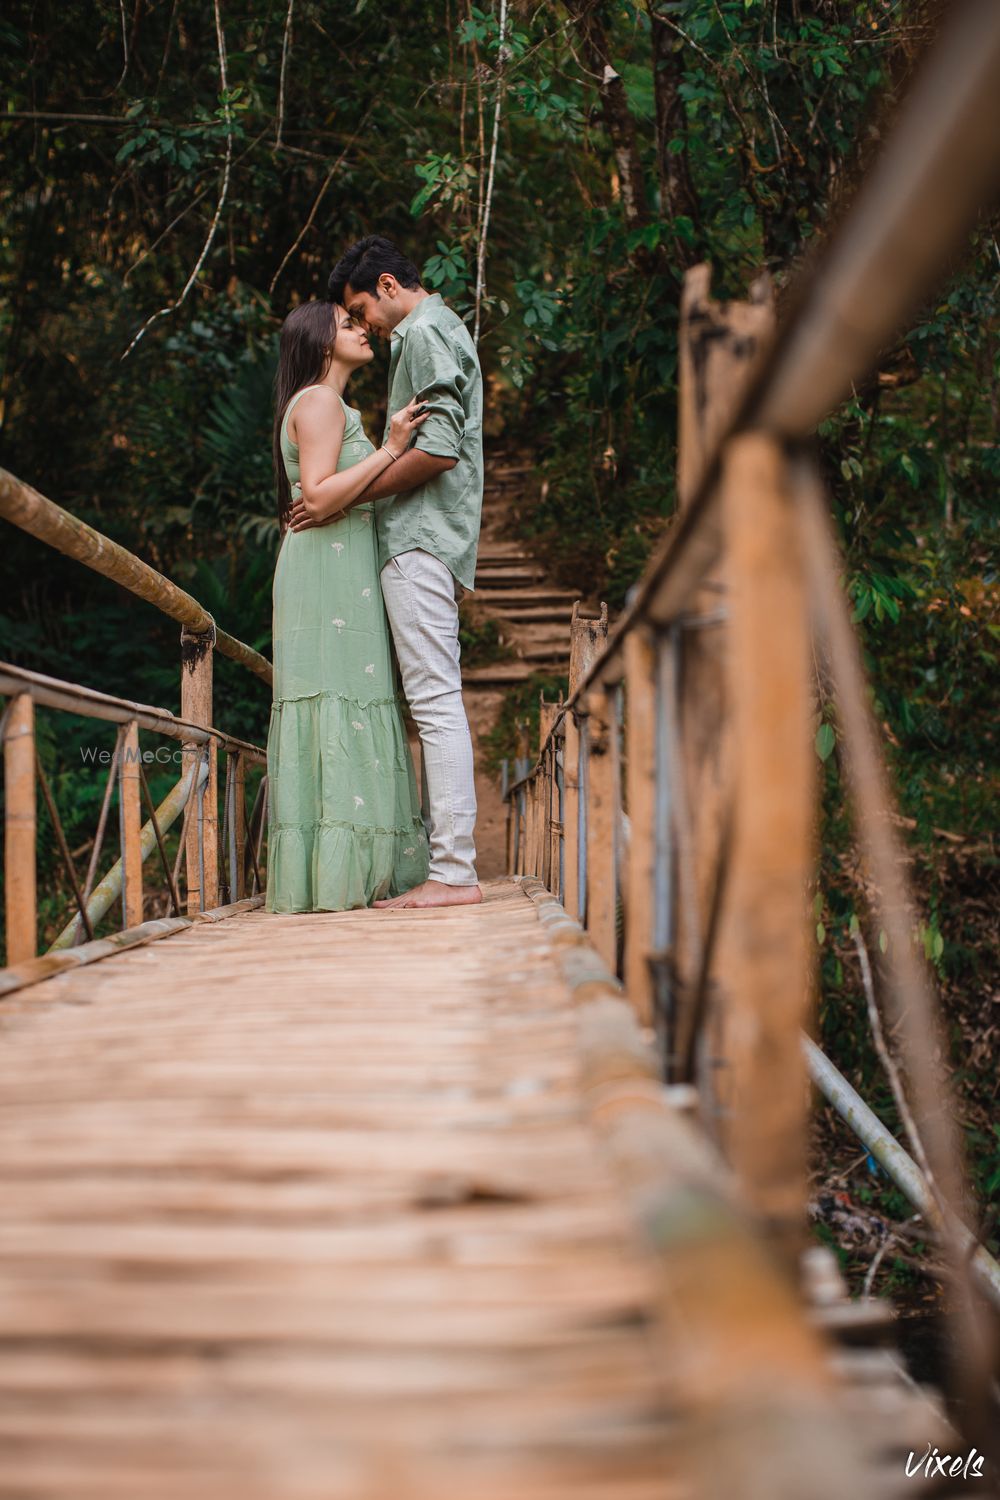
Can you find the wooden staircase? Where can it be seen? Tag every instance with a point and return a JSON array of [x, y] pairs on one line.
[[511, 587]]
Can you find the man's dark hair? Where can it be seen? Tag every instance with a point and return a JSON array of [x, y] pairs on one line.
[[366, 261]]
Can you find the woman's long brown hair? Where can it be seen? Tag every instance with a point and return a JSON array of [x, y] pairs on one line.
[[304, 350]]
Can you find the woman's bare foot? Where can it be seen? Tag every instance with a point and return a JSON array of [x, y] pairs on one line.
[[436, 893]]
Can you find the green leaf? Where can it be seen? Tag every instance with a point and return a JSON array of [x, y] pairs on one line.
[[826, 739], [910, 469]]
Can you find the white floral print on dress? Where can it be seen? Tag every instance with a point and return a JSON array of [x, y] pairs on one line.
[[339, 624], [370, 669], [366, 593], [356, 726], [411, 850], [359, 801], [338, 547]]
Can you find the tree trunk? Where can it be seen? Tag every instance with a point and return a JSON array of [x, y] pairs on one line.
[[591, 26], [677, 195]]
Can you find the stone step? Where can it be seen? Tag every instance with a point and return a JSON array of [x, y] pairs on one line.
[[510, 576], [543, 614], [500, 674], [502, 599], [489, 561], [556, 643], [494, 550], [545, 653]]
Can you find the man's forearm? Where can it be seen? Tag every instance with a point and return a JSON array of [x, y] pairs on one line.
[[407, 473]]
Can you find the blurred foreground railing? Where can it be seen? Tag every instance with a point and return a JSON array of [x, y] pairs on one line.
[[195, 795], [673, 801]]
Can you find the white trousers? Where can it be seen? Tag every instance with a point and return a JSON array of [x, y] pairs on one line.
[[421, 600]]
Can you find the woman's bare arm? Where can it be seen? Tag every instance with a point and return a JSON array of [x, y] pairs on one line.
[[318, 424], [413, 469]]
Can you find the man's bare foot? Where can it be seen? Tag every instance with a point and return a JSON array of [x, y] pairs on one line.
[[436, 893]]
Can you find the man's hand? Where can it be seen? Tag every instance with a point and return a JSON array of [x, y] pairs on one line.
[[299, 517]]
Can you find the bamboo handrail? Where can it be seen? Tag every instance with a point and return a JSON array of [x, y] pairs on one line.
[[25, 507], [72, 697]]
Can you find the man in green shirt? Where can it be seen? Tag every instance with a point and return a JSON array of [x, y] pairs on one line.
[[428, 518]]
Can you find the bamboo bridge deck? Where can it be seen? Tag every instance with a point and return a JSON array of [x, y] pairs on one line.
[[287, 1217]]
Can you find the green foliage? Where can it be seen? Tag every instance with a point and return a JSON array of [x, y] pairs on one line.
[[519, 719], [480, 639]]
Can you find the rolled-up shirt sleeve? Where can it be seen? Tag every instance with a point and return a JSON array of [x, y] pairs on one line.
[[435, 373]]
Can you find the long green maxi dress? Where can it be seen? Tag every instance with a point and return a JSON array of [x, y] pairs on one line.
[[344, 821]]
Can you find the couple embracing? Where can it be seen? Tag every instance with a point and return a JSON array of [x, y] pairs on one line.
[[377, 547]]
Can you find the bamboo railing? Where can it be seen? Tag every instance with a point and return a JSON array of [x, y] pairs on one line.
[[237, 873], [672, 803]]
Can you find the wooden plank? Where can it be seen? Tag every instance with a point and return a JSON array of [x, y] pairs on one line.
[[20, 830]]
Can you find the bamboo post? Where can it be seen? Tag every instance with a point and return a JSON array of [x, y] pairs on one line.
[[546, 720], [529, 803], [640, 795], [555, 824], [20, 829], [202, 851], [619, 831], [721, 345], [238, 834], [130, 826], [587, 639], [601, 889], [720, 348], [571, 813], [764, 955], [531, 827]]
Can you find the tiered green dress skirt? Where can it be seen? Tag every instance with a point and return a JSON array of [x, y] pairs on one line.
[[344, 821]]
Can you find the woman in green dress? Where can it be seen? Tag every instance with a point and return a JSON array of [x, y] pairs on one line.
[[344, 821]]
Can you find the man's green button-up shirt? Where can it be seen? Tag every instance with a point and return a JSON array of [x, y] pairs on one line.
[[432, 355]]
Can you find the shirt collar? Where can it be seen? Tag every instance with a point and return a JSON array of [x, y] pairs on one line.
[[423, 307]]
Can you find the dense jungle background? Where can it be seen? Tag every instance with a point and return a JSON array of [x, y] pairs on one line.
[[176, 175]]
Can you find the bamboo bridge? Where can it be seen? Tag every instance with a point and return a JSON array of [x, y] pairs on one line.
[[505, 1201]]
